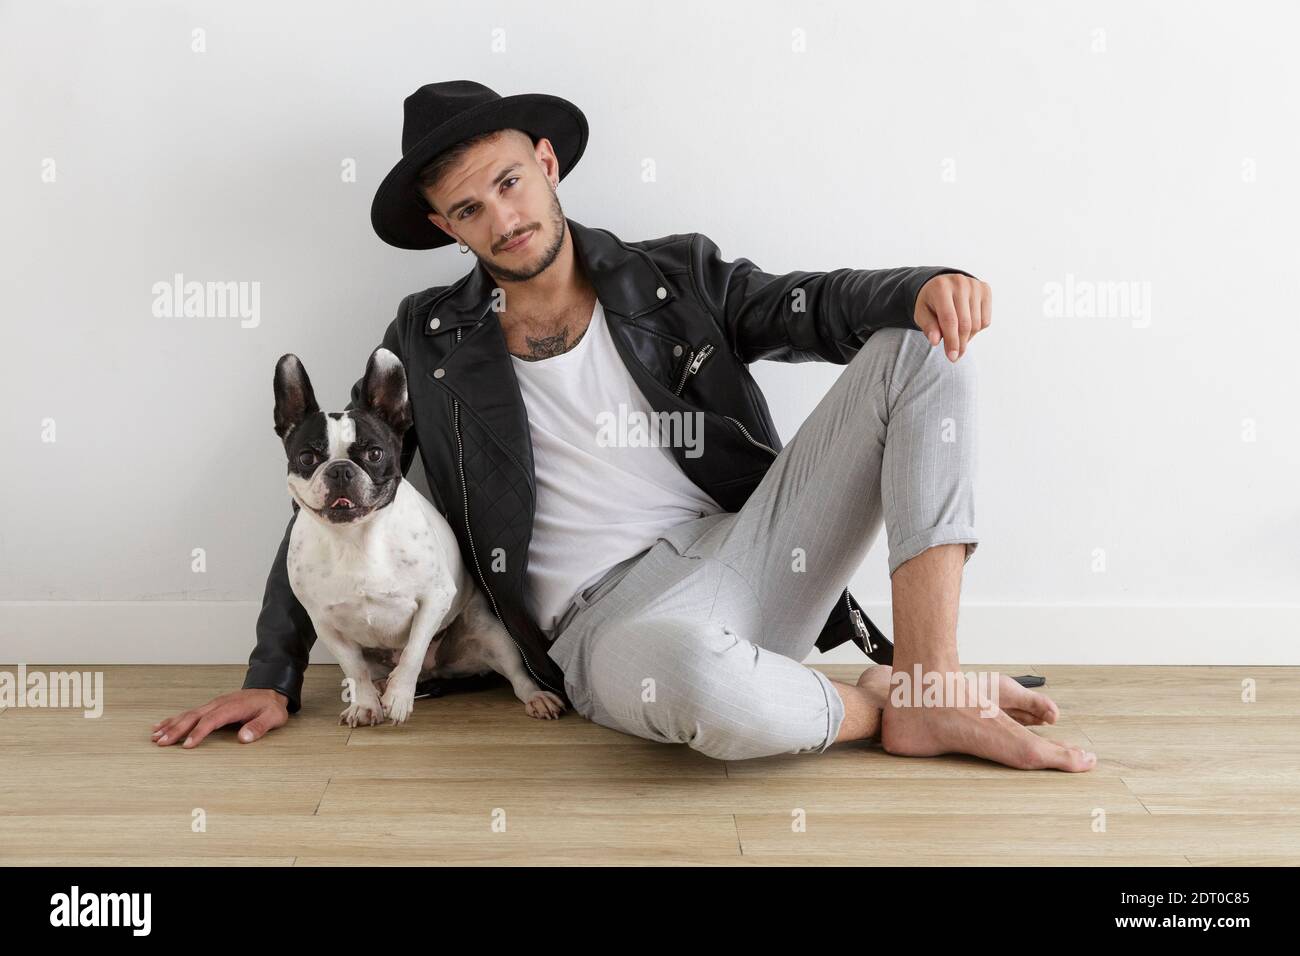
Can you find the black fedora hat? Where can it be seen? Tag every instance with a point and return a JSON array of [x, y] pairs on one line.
[[440, 115]]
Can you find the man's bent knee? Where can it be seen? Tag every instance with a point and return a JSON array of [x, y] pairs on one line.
[[694, 683]]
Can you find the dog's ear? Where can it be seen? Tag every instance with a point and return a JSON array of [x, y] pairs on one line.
[[383, 390], [294, 398]]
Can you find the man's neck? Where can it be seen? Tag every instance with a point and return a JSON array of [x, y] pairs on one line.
[[547, 314]]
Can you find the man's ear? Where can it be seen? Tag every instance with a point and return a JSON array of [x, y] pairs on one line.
[[383, 390], [440, 222], [294, 398]]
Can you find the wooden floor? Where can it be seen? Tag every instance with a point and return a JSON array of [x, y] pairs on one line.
[[1188, 774]]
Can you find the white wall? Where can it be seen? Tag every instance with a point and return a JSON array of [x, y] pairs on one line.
[[1026, 142]]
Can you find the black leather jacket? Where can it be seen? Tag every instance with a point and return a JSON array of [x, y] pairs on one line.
[[687, 323]]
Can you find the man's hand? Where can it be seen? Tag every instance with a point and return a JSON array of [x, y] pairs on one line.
[[259, 710], [953, 308]]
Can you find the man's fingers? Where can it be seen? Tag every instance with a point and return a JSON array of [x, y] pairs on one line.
[[170, 727], [962, 301], [255, 729], [259, 726], [211, 721], [948, 324], [953, 310], [934, 333], [177, 729], [926, 323], [976, 312]]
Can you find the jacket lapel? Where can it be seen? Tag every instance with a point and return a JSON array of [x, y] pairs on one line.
[[478, 371]]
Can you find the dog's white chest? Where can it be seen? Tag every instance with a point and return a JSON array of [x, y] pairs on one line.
[[369, 594]]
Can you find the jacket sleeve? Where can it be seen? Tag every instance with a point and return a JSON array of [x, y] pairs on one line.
[[804, 316], [285, 634]]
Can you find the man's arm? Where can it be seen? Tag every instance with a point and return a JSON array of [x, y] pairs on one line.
[[804, 316], [285, 634]]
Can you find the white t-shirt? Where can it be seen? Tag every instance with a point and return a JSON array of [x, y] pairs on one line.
[[601, 498]]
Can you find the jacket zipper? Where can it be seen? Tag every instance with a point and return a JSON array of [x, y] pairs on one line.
[[693, 362], [745, 431], [856, 617], [460, 463]]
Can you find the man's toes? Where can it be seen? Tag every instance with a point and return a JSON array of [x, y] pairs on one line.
[[1047, 708], [1069, 758], [1013, 696], [1023, 717]]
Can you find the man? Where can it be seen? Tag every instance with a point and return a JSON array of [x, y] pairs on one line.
[[670, 589]]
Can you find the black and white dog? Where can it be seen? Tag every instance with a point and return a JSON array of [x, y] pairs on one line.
[[373, 562]]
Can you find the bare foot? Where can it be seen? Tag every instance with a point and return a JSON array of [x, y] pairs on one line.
[[929, 731], [1025, 706], [875, 682]]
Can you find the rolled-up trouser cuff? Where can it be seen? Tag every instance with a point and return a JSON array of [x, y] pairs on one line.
[[940, 534], [834, 709]]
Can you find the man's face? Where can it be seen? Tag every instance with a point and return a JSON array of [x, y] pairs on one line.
[[502, 191]]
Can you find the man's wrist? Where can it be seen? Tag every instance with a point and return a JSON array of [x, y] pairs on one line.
[[282, 697]]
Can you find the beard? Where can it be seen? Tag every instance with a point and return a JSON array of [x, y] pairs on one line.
[[555, 230]]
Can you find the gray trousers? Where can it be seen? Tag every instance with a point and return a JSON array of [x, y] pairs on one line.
[[699, 638]]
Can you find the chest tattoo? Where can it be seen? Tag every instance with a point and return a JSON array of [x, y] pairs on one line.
[[545, 346]]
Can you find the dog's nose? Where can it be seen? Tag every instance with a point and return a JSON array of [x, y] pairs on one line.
[[341, 472]]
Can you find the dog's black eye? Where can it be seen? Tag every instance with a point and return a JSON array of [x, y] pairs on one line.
[[306, 458], [374, 454]]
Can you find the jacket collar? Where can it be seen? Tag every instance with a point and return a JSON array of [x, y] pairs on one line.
[[477, 369], [626, 280]]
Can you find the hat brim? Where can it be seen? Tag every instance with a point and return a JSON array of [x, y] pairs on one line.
[[396, 213]]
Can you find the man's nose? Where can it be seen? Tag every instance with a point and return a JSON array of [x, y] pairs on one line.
[[508, 230]]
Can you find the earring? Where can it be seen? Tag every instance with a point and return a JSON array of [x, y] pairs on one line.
[[463, 248]]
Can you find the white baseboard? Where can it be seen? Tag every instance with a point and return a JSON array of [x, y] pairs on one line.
[[222, 632], [1113, 634]]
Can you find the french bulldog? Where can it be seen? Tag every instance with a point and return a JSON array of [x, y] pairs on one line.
[[373, 562]]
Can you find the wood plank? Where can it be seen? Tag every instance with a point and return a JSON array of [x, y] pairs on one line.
[[972, 837], [378, 836], [1171, 794], [1185, 691], [1188, 775], [615, 796]]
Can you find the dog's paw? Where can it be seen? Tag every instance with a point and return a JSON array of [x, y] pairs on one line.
[[544, 705], [363, 713], [398, 700]]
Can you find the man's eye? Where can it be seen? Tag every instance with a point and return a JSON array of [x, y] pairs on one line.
[[374, 454], [468, 209]]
